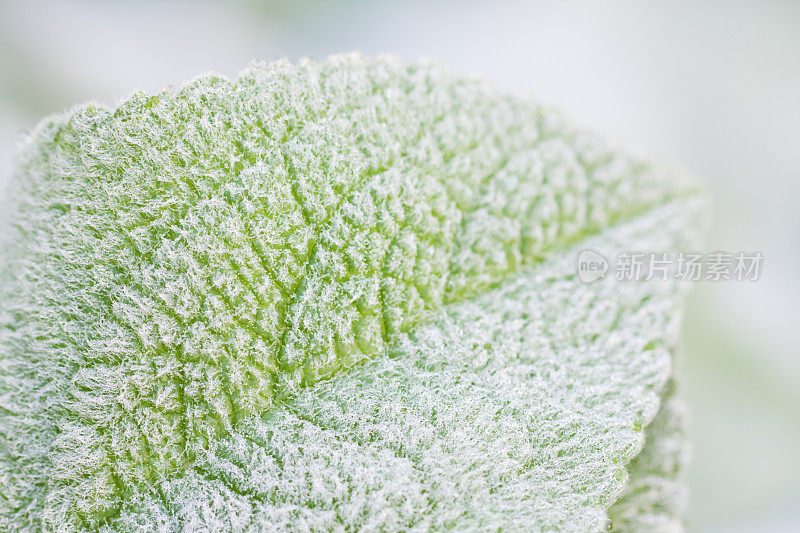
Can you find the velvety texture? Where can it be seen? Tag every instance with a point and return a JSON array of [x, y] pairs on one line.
[[330, 296]]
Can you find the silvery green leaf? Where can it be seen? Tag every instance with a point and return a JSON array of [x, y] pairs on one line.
[[336, 295]]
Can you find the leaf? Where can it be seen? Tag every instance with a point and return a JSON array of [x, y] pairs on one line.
[[336, 294]]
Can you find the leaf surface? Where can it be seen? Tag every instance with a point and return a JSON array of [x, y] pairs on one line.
[[325, 295]]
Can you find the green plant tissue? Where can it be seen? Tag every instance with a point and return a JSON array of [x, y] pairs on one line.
[[336, 296]]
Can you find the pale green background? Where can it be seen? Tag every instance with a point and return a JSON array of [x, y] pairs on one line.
[[713, 86]]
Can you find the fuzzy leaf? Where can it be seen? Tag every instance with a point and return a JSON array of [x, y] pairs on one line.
[[334, 295]]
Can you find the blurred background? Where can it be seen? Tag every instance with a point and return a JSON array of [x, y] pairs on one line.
[[712, 86]]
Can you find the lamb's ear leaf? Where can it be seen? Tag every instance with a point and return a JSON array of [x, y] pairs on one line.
[[656, 494], [521, 407], [268, 259]]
